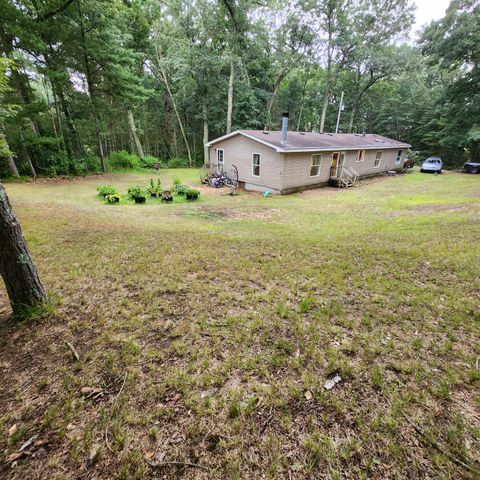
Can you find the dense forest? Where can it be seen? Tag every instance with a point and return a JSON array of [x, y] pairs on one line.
[[91, 85]]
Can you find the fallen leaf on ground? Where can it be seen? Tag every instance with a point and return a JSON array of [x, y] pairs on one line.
[[90, 390], [15, 456]]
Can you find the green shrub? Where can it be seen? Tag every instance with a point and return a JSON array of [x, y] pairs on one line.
[[105, 190], [149, 161], [123, 159], [155, 189], [90, 163], [84, 165], [180, 189], [177, 163], [134, 192], [57, 163], [49, 156], [191, 194]]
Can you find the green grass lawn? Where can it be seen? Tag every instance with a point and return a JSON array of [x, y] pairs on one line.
[[209, 329]]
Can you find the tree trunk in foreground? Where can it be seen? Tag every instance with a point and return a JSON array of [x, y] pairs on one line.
[[16, 266]]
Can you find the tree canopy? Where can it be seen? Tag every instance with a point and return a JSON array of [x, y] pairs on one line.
[[84, 78]]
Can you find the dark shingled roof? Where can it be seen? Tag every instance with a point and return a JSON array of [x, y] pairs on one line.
[[323, 141]]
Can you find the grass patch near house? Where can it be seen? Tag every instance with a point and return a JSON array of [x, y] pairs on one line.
[[207, 331]]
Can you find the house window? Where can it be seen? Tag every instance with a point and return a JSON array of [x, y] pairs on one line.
[[399, 158], [378, 159], [220, 158], [256, 164], [360, 156], [315, 165]]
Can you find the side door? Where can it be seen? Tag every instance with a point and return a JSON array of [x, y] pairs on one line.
[[338, 160]]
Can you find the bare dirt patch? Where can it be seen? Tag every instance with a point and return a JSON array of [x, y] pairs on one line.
[[224, 213]]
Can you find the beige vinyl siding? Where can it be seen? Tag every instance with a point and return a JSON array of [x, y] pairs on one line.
[[297, 165], [239, 150], [296, 172], [283, 171], [366, 167]]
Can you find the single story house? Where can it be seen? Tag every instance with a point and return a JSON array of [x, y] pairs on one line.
[[285, 162]]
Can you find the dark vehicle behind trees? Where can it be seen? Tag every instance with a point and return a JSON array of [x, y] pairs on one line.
[[471, 167]]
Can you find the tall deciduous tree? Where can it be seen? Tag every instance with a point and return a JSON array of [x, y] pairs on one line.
[[453, 43], [370, 51], [332, 28], [237, 29], [289, 40]]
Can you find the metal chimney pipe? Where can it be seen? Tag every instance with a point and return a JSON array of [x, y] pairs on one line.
[[284, 128]]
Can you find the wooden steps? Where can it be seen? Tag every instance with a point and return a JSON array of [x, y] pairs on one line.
[[348, 178], [345, 183]]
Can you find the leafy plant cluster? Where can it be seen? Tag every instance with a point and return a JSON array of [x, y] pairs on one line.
[[154, 190], [105, 190], [109, 194], [137, 194], [190, 194]]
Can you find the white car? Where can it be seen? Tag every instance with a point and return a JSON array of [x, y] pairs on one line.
[[432, 165]]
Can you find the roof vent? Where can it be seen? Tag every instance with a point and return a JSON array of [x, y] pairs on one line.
[[301, 133], [265, 132], [331, 134]]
